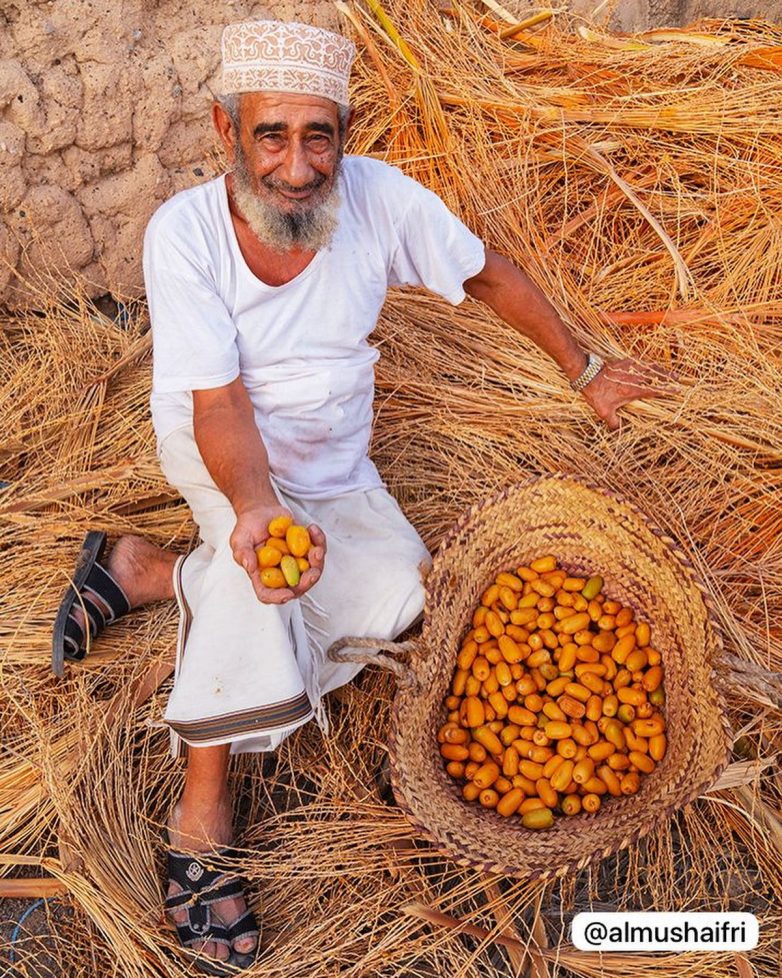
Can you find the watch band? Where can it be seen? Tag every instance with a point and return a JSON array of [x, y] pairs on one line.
[[594, 365]]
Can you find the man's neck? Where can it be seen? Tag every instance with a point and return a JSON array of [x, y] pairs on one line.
[[271, 267]]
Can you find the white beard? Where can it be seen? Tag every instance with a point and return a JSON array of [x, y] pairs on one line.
[[309, 226]]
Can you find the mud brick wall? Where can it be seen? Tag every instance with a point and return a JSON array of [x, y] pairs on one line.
[[104, 114]]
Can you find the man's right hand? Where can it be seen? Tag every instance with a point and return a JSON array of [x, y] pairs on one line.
[[251, 531]]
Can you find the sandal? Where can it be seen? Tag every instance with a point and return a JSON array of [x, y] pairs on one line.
[[383, 783], [90, 580], [205, 881]]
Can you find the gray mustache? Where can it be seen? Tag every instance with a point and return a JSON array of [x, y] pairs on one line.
[[282, 185]]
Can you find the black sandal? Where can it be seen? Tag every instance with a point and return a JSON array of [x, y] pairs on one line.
[[204, 881], [89, 580], [383, 783]]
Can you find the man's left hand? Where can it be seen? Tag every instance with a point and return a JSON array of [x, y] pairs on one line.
[[622, 381]]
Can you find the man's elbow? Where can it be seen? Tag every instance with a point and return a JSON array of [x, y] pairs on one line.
[[482, 285], [229, 400]]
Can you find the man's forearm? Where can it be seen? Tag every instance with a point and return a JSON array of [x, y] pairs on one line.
[[233, 452], [521, 304]]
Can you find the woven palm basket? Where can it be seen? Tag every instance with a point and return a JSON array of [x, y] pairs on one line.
[[590, 532]]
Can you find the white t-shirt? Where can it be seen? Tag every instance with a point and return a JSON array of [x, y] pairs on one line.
[[301, 348]]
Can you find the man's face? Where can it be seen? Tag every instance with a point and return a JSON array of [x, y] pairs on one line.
[[287, 157]]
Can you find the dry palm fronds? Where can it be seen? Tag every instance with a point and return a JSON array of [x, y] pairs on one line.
[[623, 175]]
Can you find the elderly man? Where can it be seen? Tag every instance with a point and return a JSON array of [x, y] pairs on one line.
[[264, 286]]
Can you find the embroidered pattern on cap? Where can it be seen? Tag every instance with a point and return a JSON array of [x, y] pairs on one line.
[[272, 56]]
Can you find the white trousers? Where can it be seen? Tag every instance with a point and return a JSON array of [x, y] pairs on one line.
[[249, 673]]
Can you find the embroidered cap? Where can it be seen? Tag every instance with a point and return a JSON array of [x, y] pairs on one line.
[[273, 56]]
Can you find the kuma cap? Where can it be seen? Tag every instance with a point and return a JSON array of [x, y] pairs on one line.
[[275, 56]]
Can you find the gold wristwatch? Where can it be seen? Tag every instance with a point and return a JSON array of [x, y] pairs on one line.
[[594, 365]]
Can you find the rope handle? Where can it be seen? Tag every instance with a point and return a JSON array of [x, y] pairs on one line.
[[377, 652], [755, 682]]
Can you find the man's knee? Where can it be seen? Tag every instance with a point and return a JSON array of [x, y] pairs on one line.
[[424, 567], [409, 592]]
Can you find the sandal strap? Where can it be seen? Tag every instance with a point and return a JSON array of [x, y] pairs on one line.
[[192, 873], [244, 926], [74, 639], [177, 900], [224, 888], [95, 615], [229, 883], [102, 583], [199, 929]]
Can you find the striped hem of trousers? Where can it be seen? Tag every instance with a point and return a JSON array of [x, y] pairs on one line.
[[260, 720]]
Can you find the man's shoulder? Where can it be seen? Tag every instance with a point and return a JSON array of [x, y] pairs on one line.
[[372, 172], [185, 212], [378, 191]]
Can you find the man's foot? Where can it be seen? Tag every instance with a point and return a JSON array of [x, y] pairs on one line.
[[143, 571], [206, 831]]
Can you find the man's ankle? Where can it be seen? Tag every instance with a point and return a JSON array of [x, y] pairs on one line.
[[202, 821]]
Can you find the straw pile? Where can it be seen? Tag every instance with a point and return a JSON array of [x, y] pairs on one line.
[[639, 183]]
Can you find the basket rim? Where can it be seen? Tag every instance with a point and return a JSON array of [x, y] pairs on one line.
[[678, 552]]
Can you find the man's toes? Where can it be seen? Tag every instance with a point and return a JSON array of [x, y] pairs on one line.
[[245, 945], [210, 949], [231, 910], [220, 951]]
